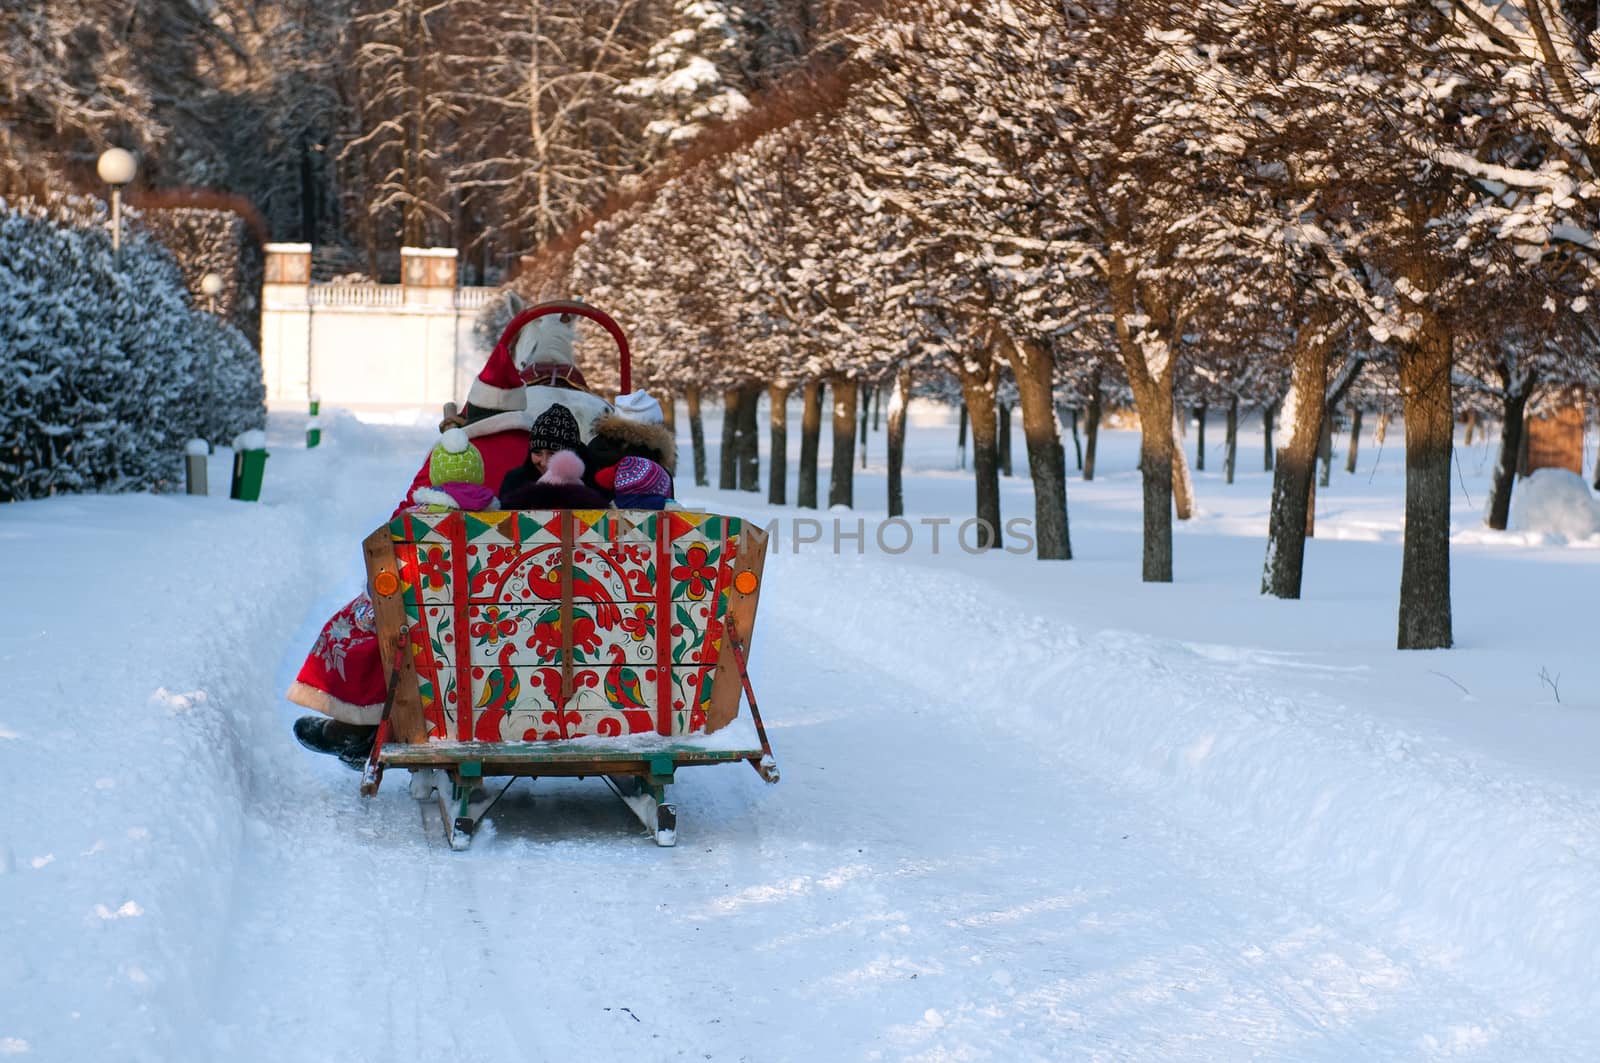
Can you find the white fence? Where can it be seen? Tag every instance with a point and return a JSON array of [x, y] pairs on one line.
[[365, 344]]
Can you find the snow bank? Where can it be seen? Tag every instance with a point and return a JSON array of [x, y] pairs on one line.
[[140, 652], [1488, 874], [1555, 502]]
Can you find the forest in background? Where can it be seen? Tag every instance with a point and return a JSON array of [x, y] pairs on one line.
[[360, 126]]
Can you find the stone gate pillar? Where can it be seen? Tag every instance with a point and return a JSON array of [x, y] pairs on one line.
[[286, 321], [428, 275]]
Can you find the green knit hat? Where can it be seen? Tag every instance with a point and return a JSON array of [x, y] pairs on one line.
[[455, 460]]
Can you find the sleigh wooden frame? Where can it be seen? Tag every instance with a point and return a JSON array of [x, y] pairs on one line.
[[563, 643]]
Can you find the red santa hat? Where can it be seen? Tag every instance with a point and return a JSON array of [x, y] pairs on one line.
[[531, 350]]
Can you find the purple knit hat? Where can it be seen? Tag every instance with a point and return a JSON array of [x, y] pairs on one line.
[[641, 476]]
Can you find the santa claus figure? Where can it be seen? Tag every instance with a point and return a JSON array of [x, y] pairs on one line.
[[530, 370]]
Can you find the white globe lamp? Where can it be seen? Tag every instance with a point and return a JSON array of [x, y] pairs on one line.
[[117, 167]]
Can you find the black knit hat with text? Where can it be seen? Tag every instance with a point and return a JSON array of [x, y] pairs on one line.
[[554, 429]]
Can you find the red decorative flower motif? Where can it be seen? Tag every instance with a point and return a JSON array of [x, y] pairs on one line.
[[493, 626], [501, 556], [546, 638], [638, 625], [432, 567], [695, 571]]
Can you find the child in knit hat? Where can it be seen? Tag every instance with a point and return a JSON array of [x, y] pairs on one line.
[[560, 486], [636, 429], [455, 469], [636, 483], [554, 430], [552, 477]]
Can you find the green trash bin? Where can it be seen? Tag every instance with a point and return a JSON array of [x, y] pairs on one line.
[[249, 464], [314, 426]]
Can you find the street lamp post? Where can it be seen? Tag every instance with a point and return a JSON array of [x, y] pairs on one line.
[[117, 167], [211, 287]]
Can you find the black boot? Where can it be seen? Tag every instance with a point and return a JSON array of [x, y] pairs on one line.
[[351, 743]]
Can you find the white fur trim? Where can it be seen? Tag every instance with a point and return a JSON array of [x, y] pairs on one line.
[[504, 421], [321, 701], [455, 441], [432, 496], [492, 398]]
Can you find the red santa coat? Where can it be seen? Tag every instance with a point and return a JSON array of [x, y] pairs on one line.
[[343, 674]]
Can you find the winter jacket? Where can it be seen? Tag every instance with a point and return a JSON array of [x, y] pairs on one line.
[[640, 501]]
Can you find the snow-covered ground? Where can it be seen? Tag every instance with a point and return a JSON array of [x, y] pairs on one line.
[[1028, 811]]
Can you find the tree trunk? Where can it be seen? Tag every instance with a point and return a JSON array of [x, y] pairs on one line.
[[810, 431], [877, 406], [961, 434], [980, 405], [1355, 440], [1266, 429], [1200, 438], [866, 414], [1232, 440], [778, 459], [1425, 622], [729, 455], [1077, 441], [669, 412], [897, 439], [1513, 406], [1156, 443], [1472, 427], [1182, 482], [1033, 367], [841, 485], [1092, 431], [1311, 505], [749, 438], [1295, 468], [1325, 449], [1003, 414], [697, 433]]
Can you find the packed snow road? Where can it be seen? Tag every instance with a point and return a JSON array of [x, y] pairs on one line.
[[1005, 831], [921, 885]]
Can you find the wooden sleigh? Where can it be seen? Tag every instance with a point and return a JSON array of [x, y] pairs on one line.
[[530, 643]]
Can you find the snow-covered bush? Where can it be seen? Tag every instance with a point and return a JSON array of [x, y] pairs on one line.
[[215, 237], [106, 371], [1555, 502]]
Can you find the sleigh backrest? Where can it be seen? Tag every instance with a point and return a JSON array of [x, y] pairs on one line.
[[539, 625]]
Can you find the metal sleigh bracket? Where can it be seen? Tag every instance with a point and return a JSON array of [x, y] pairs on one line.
[[766, 766]]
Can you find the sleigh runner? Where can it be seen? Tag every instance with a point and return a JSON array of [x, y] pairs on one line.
[[563, 643]]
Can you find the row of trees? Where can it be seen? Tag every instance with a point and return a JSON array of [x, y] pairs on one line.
[[1286, 203], [487, 125]]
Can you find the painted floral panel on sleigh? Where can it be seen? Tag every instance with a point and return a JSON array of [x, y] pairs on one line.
[[511, 644]]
